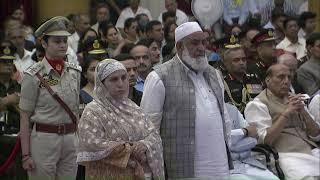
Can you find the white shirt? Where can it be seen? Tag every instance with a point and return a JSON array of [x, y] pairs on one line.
[[73, 41], [210, 158], [269, 25], [181, 17], [304, 7], [301, 33], [299, 47], [127, 13], [96, 27], [257, 112], [25, 62], [314, 108]]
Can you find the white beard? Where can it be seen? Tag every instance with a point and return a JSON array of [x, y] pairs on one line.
[[197, 64]]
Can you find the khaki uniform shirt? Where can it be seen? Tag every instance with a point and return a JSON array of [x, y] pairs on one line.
[[36, 99]]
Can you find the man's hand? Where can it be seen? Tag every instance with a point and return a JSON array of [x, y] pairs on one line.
[[295, 104], [28, 164], [252, 131], [11, 99]]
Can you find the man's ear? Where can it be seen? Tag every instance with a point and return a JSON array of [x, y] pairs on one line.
[[309, 47], [267, 80], [44, 44], [179, 46]]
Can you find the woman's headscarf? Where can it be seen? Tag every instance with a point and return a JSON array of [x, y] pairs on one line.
[[108, 123]]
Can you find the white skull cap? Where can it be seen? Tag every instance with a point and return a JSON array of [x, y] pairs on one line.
[[186, 29]]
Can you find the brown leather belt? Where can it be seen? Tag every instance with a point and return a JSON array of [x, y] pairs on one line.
[[60, 129]]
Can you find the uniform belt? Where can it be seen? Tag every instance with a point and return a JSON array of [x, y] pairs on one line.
[[60, 129]]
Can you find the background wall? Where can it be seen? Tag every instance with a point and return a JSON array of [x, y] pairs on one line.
[[44, 8], [155, 7], [314, 6]]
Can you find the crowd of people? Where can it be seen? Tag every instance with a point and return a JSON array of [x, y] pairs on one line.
[[126, 96]]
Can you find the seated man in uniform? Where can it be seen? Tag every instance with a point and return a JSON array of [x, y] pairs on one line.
[[265, 43], [284, 123], [240, 86], [9, 88]]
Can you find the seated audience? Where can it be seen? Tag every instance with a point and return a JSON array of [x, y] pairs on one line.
[[314, 107], [168, 31], [171, 7], [307, 24], [243, 139], [292, 63], [132, 11], [142, 20], [102, 14], [9, 88], [131, 30], [284, 123], [113, 39], [131, 66], [234, 13], [154, 49], [292, 43], [168, 51], [140, 53], [154, 30], [308, 73]]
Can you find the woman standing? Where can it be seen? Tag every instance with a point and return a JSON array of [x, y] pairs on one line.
[[116, 141], [49, 105]]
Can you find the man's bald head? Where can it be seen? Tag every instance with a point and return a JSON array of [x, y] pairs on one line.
[[278, 80], [275, 68]]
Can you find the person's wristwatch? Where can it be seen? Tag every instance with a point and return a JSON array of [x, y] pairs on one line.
[[246, 132]]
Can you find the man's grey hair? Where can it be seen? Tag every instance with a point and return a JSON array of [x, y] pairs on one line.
[[228, 51], [285, 57]]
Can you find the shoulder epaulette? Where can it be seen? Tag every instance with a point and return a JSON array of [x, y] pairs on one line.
[[73, 66], [32, 70]]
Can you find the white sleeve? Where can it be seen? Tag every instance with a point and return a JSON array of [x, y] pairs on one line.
[[253, 7], [153, 98], [160, 17], [121, 19], [314, 108], [243, 123], [257, 113], [149, 14]]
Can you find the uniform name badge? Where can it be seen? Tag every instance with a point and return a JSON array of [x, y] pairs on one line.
[[254, 88]]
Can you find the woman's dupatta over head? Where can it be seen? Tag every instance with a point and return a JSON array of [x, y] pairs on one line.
[[109, 126]]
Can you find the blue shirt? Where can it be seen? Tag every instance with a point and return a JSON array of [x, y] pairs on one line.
[[139, 85], [232, 10]]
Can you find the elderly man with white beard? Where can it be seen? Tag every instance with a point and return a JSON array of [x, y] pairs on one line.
[[184, 99]]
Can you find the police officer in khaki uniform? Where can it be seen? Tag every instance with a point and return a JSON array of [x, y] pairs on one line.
[[49, 150], [240, 86]]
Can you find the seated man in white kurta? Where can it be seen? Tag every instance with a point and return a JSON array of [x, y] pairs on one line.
[[243, 139], [284, 123]]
